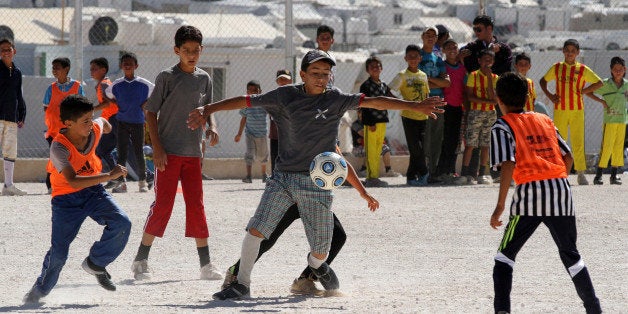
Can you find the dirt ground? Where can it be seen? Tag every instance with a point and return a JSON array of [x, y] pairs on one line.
[[426, 250]]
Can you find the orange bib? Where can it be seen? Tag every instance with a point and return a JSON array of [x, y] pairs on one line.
[[53, 112]]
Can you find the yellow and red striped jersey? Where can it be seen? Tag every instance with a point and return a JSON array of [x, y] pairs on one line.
[[570, 80], [531, 96], [479, 83]]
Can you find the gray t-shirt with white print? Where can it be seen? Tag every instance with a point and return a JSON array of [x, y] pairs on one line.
[[307, 124]]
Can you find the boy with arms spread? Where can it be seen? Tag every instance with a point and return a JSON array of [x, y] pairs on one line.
[[317, 111], [571, 76], [528, 148], [77, 194], [12, 113], [177, 151]]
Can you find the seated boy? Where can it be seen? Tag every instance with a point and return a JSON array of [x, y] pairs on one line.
[[539, 166], [77, 193]]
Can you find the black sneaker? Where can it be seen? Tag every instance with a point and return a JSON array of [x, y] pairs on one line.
[[103, 277], [597, 181], [235, 291], [326, 276], [616, 180]]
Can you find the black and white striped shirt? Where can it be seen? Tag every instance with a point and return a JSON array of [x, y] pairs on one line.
[[551, 197]]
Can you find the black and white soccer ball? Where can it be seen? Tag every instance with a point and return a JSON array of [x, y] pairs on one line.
[[328, 170]]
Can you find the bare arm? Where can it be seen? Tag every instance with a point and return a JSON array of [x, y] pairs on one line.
[[352, 178], [553, 97], [242, 124], [429, 106], [106, 126], [593, 87], [568, 159], [159, 154], [81, 182], [441, 81], [507, 168], [198, 116], [472, 98]]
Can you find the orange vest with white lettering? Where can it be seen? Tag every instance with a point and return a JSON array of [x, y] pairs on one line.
[[53, 112], [83, 164], [537, 153]]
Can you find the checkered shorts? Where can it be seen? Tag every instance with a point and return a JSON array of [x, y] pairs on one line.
[[283, 190]]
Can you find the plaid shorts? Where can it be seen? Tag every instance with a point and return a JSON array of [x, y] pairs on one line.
[[285, 189], [479, 124]]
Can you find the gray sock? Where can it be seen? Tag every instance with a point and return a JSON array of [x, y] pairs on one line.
[[250, 249]]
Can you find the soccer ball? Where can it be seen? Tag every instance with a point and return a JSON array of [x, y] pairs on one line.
[[328, 170]]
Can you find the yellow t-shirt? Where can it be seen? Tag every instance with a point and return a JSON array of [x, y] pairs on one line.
[[570, 80], [479, 83], [412, 86]]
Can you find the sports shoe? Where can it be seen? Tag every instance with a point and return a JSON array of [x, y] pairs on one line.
[[247, 180], [326, 276], [103, 277], [304, 286], [485, 179], [111, 184], [375, 183], [209, 272], [582, 180], [598, 180], [142, 186], [230, 278], [206, 177], [140, 270], [235, 291], [121, 188], [33, 297], [12, 190], [391, 174], [616, 180], [424, 179], [465, 180]]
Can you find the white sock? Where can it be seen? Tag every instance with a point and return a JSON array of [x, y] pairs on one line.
[[314, 262], [8, 172], [250, 249]]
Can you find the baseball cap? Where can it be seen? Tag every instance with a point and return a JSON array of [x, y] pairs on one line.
[[431, 28], [284, 73], [314, 56]]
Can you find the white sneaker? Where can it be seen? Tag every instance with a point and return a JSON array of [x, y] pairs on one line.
[[485, 179], [391, 174], [140, 270], [304, 286], [209, 272], [12, 190], [142, 186]]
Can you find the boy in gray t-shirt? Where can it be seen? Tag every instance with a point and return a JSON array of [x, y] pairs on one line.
[[177, 151], [307, 117]]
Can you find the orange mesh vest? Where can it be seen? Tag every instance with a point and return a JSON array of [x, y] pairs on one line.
[[113, 107], [83, 164], [537, 153], [53, 112]]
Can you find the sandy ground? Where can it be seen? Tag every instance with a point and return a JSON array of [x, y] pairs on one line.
[[427, 250]]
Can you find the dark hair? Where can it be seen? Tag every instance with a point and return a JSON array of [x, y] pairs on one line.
[[74, 106], [618, 60], [325, 29], [523, 56], [484, 20], [449, 42], [442, 31], [62, 61], [101, 62], [128, 55], [6, 40], [253, 83], [370, 60], [412, 47], [571, 42], [188, 33], [484, 52], [512, 89]]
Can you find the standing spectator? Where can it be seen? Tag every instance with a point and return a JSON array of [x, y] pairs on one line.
[[55, 93], [12, 113], [98, 68], [454, 97], [413, 85], [374, 122], [284, 77], [523, 63], [443, 36], [254, 120], [130, 93], [571, 76], [437, 77], [614, 99]]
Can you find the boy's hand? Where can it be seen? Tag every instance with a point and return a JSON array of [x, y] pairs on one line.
[[554, 98], [372, 202], [118, 171], [159, 158], [237, 137], [464, 53], [196, 118], [213, 136], [495, 222], [430, 105]]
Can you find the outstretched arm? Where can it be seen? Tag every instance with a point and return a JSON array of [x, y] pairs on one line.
[[429, 106], [198, 116]]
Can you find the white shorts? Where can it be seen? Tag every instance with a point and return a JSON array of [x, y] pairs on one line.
[[8, 138]]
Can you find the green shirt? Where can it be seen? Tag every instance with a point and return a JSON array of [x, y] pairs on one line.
[[616, 98]]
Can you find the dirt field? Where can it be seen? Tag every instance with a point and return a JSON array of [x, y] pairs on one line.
[[426, 250]]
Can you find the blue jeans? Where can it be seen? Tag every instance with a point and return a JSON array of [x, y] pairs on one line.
[[68, 213]]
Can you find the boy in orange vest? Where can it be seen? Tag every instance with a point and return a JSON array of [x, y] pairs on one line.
[[539, 166], [77, 194], [55, 93]]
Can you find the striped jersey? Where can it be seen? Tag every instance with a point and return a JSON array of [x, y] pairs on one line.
[[570, 80], [479, 83], [531, 96], [256, 125], [543, 197]]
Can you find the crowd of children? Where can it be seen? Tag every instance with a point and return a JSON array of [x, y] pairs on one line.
[[487, 108]]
